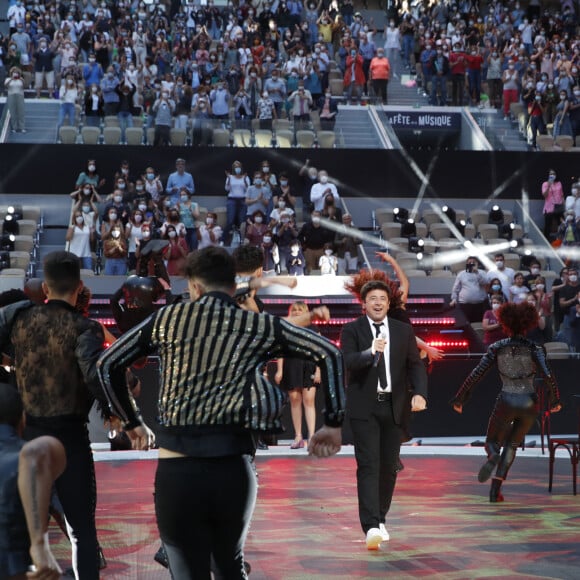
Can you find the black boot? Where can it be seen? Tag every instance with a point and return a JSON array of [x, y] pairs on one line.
[[487, 468], [495, 494]]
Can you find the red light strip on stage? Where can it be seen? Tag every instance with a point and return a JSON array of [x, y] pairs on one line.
[[426, 301], [439, 321], [106, 321], [333, 321], [448, 343]]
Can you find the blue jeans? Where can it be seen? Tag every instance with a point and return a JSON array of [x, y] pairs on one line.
[[87, 263], [125, 120], [441, 82], [66, 110], [408, 45], [236, 209], [116, 267]]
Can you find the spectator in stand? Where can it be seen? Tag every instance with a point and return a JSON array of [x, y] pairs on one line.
[[380, 71], [179, 180], [220, 101], [439, 80], [568, 231], [354, 78], [562, 123], [276, 88], [209, 233], [163, 109], [94, 104], [79, 238], [258, 195], [265, 111], [300, 102], [284, 192], [575, 111], [468, 291], [368, 51], [392, 38], [15, 100], [474, 65], [572, 202], [115, 251], [256, 228], [92, 71], [109, 86], [535, 114], [43, 68], [295, 261], [236, 186], [538, 333], [494, 78], [126, 92], [518, 290], [153, 185], [544, 300], [321, 190], [172, 220], [553, 195], [458, 69], [175, 253], [328, 110], [312, 237], [511, 87], [503, 274], [188, 215], [346, 245], [69, 96], [493, 330]]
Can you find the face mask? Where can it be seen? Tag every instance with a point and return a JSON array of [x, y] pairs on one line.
[[324, 179], [209, 221], [535, 271], [540, 286], [258, 219], [569, 218], [112, 216], [87, 191], [237, 170], [499, 264], [171, 234], [86, 208], [328, 252], [79, 220], [118, 199], [283, 183], [167, 203], [257, 182], [281, 204], [184, 198], [551, 177], [138, 218], [116, 233], [266, 169], [294, 251], [92, 167], [573, 278], [151, 176], [120, 186], [315, 220], [146, 234], [496, 287], [267, 239]]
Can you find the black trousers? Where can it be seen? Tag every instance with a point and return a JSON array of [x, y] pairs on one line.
[[377, 442], [512, 417], [380, 89], [204, 507], [77, 491]]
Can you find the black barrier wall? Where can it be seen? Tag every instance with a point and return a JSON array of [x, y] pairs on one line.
[[53, 169]]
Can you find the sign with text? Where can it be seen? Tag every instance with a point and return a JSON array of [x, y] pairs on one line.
[[423, 121]]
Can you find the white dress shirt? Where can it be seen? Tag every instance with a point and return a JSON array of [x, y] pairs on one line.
[[386, 357]]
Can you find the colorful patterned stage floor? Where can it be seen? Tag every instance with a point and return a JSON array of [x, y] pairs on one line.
[[306, 527]]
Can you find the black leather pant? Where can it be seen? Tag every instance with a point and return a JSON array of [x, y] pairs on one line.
[[511, 418]]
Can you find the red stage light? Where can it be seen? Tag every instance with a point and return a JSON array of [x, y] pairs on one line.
[[433, 320], [444, 344]]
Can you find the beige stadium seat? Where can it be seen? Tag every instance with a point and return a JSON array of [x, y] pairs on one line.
[[415, 273], [150, 134], [263, 138], [335, 74], [512, 261], [111, 121], [384, 215], [469, 232], [23, 243], [137, 121], [517, 232], [281, 124], [87, 272], [478, 217], [90, 135], [437, 273], [111, 135], [284, 139], [178, 137], [557, 350], [545, 142], [508, 215], [315, 121], [27, 227], [31, 212], [390, 230], [67, 135], [487, 231], [221, 138], [408, 265], [430, 246], [430, 216], [242, 138], [438, 231], [326, 139], [336, 87], [448, 243], [565, 142], [134, 135], [13, 272], [255, 124], [399, 245], [19, 260], [460, 214], [305, 139], [421, 229]]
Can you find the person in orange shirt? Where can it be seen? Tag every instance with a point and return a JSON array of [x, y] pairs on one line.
[[380, 71]]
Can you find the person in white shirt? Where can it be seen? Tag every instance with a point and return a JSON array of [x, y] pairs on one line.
[[321, 189], [503, 273]]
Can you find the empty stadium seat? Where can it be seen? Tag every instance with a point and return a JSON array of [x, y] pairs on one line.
[[178, 137], [336, 87], [487, 231], [67, 135], [111, 121], [390, 230], [438, 231], [27, 227], [90, 135], [326, 139], [134, 135], [111, 135], [284, 139], [305, 139], [221, 138], [565, 142], [281, 124], [263, 138], [242, 138], [19, 260], [478, 217]]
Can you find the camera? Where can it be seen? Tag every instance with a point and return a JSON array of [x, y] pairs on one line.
[[470, 267]]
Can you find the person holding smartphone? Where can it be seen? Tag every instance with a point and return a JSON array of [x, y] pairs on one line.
[[469, 291]]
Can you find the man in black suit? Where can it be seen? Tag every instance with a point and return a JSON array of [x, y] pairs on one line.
[[386, 380]]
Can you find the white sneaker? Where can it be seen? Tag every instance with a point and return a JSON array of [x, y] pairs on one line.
[[374, 539], [384, 532]]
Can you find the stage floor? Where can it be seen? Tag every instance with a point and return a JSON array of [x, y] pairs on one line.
[[305, 526]]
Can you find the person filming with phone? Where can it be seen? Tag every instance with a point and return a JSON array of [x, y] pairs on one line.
[[468, 291]]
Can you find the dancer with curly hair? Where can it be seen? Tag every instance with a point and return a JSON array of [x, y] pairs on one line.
[[516, 408]]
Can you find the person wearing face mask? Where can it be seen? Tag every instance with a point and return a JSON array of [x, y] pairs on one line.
[[109, 86], [295, 260], [392, 47], [502, 274], [209, 233], [15, 100], [172, 219], [283, 192], [328, 263], [572, 202], [88, 209], [94, 104], [562, 123], [469, 291], [255, 229], [544, 300], [92, 71], [43, 67], [69, 96], [321, 190], [535, 106], [153, 185], [266, 111], [328, 107], [134, 232], [188, 214], [175, 253], [163, 108], [178, 180], [553, 194], [236, 186], [258, 196], [511, 88], [354, 77], [309, 175], [379, 73], [568, 231], [568, 302], [492, 329], [85, 193], [79, 238], [312, 237], [113, 217], [115, 252]]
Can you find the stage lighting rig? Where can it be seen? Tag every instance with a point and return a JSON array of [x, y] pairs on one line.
[[408, 228], [496, 216], [450, 213], [400, 215]]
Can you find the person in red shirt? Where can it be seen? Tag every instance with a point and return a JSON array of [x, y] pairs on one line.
[[474, 62], [354, 77], [380, 71], [457, 65]]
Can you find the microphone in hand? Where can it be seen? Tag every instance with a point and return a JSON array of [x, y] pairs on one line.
[[377, 355]]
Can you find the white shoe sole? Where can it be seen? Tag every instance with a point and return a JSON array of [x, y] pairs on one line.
[[373, 542]]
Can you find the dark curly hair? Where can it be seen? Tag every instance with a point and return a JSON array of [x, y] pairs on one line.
[[355, 284], [517, 319]]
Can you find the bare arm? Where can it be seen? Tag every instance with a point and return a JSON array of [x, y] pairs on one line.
[[41, 462], [399, 272]]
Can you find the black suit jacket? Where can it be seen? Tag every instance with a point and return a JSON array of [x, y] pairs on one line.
[[408, 375]]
